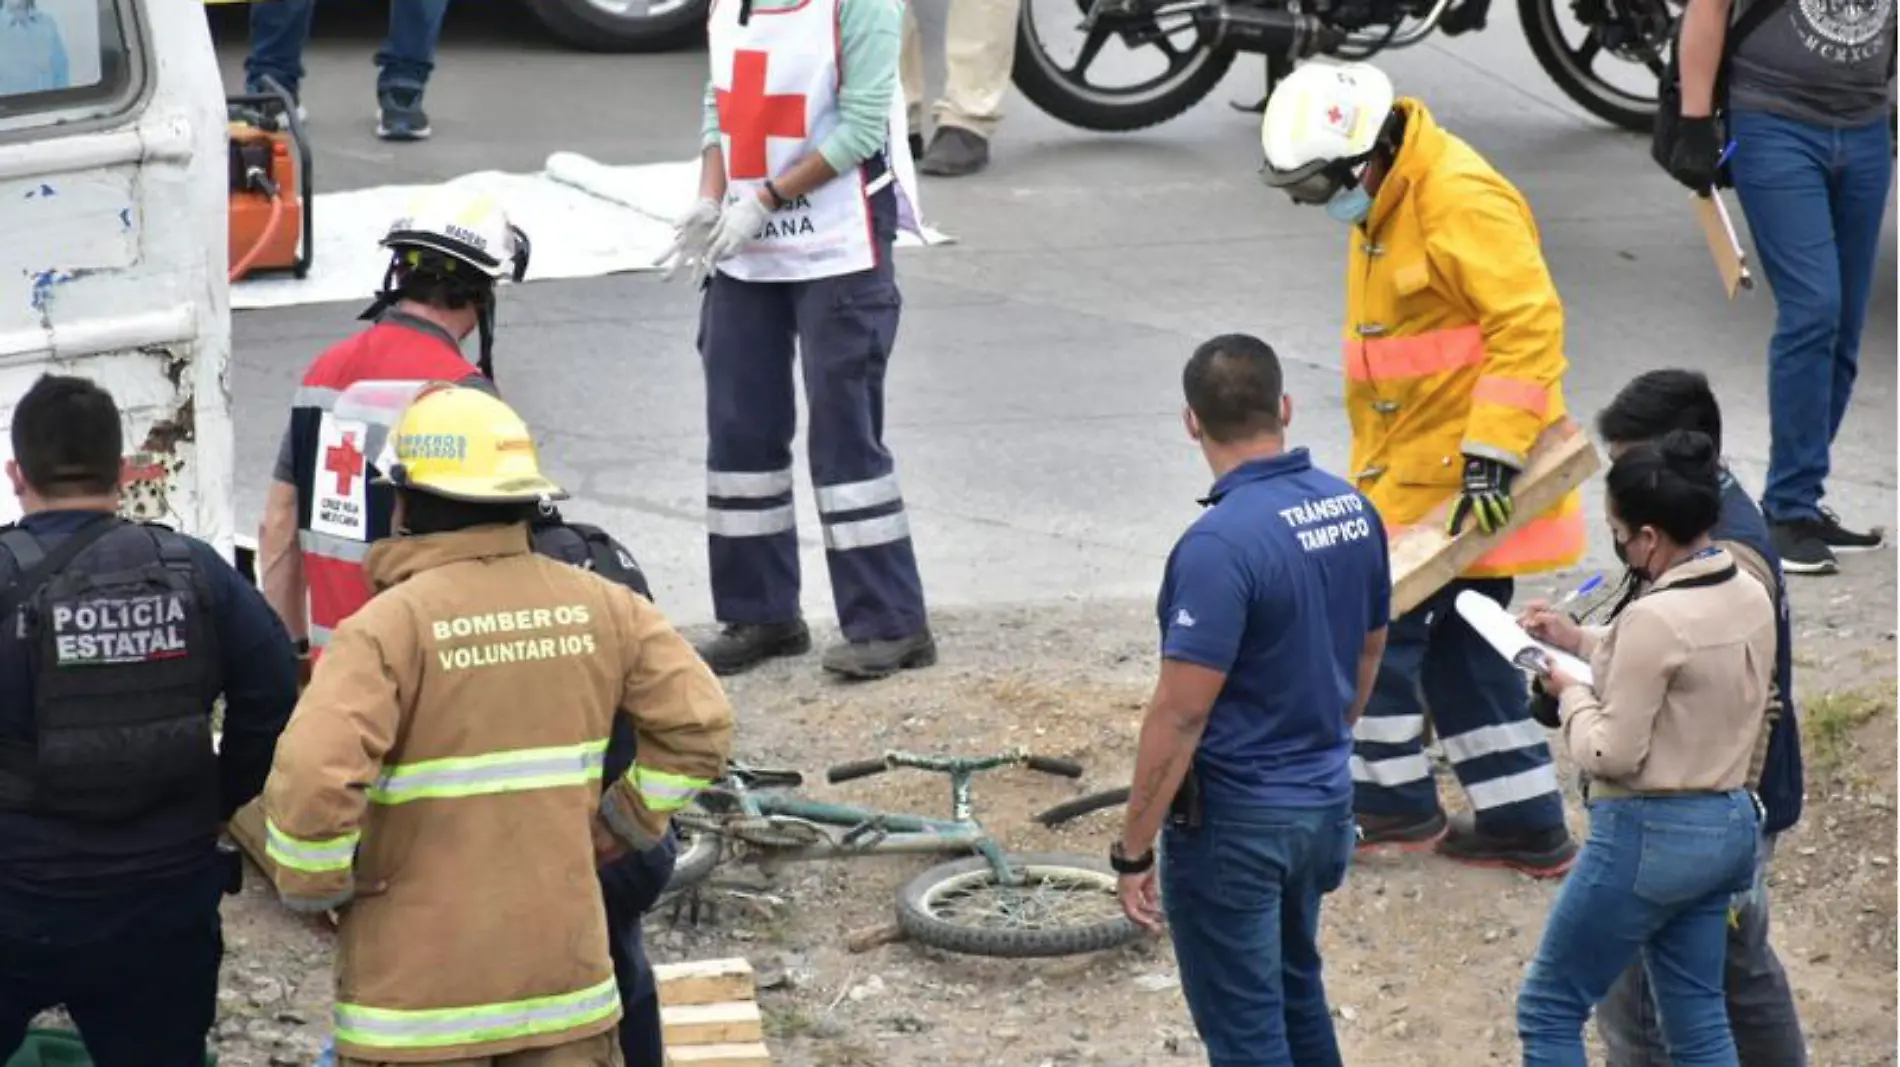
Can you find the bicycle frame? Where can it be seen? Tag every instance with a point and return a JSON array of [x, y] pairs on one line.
[[869, 832]]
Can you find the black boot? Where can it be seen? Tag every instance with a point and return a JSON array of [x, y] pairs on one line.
[[1538, 853], [1404, 831], [743, 646], [881, 659]]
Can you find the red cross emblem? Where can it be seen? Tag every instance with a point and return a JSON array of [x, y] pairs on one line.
[[345, 462], [749, 117], [1334, 115]]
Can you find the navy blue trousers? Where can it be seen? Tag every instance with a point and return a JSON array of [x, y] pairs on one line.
[[137, 972], [840, 330], [1480, 706]]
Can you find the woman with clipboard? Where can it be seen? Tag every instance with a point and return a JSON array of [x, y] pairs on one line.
[[1670, 732]]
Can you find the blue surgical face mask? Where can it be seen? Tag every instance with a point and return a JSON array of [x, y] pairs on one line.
[[1350, 206]]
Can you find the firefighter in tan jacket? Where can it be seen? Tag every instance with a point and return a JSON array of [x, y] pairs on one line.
[[441, 775]]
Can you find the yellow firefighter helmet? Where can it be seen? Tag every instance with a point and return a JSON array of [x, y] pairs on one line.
[[463, 443]]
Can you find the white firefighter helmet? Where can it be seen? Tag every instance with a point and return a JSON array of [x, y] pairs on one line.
[[1322, 120], [463, 225]]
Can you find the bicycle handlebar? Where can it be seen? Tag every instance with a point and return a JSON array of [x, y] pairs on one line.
[[864, 768], [1060, 767], [845, 772]]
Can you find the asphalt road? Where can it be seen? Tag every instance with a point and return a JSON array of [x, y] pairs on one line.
[[1034, 399]]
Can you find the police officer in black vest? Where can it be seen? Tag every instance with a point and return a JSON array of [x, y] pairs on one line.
[[116, 640]]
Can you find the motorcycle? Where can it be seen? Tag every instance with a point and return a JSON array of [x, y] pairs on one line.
[[1199, 41]]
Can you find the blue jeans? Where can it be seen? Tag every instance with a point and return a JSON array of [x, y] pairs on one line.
[[1480, 705], [1242, 893], [1814, 198], [1761, 1008], [1654, 881], [281, 28]]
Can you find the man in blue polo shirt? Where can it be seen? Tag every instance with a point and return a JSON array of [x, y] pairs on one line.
[[1273, 614]]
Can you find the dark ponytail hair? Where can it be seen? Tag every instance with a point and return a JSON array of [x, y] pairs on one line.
[[1673, 484]]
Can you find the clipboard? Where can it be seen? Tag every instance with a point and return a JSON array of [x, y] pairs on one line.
[[1502, 632], [1731, 263]]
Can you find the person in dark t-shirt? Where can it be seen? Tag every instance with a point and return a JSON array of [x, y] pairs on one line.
[[1273, 614]]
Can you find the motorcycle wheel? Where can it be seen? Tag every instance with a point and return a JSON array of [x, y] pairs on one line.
[[1066, 96], [624, 25], [1570, 69]]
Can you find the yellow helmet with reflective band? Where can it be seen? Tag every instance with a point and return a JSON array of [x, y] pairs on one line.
[[464, 444]]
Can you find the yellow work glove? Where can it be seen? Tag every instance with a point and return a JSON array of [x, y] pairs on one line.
[[1486, 496]]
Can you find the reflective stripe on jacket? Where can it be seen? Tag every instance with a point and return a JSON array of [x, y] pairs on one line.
[[445, 762], [1454, 342]]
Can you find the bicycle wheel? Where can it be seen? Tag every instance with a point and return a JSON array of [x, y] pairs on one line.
[[1067, 905], [1070, 810]]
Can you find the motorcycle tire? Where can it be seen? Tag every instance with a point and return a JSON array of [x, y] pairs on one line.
[[1060, 99], [1539, 20], [592, 27]]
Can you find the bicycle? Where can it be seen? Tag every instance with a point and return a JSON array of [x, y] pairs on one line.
[[995, 903]]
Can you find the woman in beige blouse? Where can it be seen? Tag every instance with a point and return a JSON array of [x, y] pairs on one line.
[[1666, 733]]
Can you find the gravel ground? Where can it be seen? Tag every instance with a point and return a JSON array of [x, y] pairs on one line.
[[1423, 957]]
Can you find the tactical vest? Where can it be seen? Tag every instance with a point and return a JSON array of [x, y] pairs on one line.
[[589, 548], [125, 664]]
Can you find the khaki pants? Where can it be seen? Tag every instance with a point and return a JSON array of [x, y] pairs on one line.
[[979, 49], [601, 1050]]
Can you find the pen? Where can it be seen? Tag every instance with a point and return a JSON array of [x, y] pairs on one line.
[[1723, 158], [1581, 591]]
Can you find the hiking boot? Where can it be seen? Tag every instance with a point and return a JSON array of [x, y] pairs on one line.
[[743, 646], [881, 659], [1538, 853], [1406, 832], [1841, 539], [954, 152], [399, 115], [1800, 547]]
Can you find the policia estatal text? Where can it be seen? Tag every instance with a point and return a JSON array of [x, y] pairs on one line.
[[115, 640]]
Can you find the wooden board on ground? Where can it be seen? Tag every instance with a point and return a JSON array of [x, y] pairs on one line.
[[709, 1014], [1425, 559]]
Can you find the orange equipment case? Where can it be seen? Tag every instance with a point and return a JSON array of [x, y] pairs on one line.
[[271, 199]]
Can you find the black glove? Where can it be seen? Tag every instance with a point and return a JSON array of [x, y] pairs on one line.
[[1692, 160], [1486, 496]]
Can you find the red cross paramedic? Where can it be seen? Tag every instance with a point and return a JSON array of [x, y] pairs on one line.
[[323, 513], [805, 179]]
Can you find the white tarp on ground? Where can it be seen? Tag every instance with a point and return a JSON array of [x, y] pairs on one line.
[[583, 218]]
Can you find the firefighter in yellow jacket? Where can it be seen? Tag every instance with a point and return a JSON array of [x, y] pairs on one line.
[[441, 775], [1454, 361]]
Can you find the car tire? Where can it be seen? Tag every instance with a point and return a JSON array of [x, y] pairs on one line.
[[593, 26]]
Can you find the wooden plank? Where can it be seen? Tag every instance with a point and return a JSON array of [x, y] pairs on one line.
[[734, 1023], [1425, 560], [704, 982], [746, 1055]]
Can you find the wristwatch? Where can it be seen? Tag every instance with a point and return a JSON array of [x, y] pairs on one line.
[[1118, 859]]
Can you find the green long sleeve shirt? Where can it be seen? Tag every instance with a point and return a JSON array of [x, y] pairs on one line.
[[870, 37]]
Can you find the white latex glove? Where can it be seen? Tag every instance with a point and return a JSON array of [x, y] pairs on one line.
[[691, 232], [738, 225]]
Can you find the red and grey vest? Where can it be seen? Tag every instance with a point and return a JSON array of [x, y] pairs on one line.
[[342, 415]]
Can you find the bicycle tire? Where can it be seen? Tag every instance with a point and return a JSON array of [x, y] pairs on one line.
[[1070, 810], [919, 922]]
